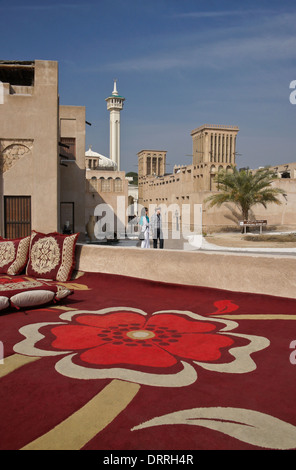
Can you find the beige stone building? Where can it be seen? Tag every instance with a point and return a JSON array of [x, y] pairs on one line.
[[187, 187], [215, 144], [42, 146], [48, 182], [107, 188], [214, 147], [285, 170], [72, 169], [105, 185], [285, 214]]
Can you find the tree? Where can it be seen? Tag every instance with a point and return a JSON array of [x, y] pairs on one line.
[[245, 189], [134, 175]]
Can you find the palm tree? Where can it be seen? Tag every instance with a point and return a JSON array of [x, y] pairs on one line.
[[245, 189]]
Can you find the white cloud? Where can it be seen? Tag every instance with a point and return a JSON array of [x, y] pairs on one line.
[[267, 37], [218, 13], [216, 54]]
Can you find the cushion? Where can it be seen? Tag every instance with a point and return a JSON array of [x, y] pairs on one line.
[[4, 302], [13, 255], [31, 298], [23, 291], [52, 256]]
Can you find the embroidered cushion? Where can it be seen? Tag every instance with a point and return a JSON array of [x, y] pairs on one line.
[[13, 255], [23, 291], [52, 256]]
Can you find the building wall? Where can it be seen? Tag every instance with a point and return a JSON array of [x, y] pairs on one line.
[[214, 144], [28, 145], [31, 126], [72, 171], [285, 170], [219, 271], [107, 187], [180, 191], [285, 214], [133, 195], [190, 185], [151, 162]]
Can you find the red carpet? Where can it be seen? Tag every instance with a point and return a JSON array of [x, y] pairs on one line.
[[127, 364]]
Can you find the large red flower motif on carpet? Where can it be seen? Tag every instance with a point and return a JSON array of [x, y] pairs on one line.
[[131, 339], [162, 349]]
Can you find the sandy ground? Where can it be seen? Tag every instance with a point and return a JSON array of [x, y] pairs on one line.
[[234, 239]]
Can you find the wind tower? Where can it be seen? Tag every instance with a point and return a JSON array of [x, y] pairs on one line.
[[115, 105]]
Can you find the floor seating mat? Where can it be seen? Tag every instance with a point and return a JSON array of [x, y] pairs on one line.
[[130, 364]]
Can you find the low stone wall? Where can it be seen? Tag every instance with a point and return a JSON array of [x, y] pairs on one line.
[[237, 272]]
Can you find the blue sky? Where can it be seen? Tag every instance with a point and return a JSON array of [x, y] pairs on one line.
[[179, 64]]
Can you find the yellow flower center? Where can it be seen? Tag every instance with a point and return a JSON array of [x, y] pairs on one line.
[[140, 334]]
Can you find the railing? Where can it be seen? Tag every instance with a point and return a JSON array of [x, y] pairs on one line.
[[215, 126]]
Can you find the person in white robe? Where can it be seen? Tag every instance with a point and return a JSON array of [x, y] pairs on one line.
[[144, 226]]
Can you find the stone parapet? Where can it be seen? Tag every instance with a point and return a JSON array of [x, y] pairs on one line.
[[259, 274]]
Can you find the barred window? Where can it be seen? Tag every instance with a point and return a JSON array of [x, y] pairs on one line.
[[118, 185], [93, 185], [106, 185]]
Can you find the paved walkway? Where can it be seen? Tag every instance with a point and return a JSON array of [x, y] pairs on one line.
[[200, 243], [222, 243]]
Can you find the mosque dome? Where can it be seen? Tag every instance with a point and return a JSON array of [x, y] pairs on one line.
[[103, 162]]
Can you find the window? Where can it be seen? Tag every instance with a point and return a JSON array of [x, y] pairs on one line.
[[93, 187], [106, 185], [148, 165], [118, 185], [17, 216]]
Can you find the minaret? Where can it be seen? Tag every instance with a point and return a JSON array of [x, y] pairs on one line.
[[115, 105]]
